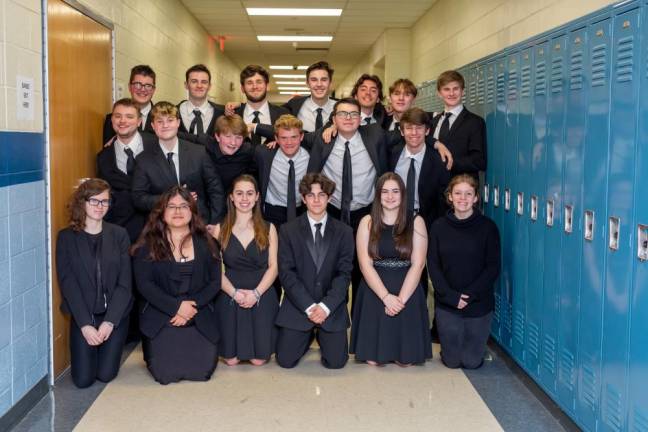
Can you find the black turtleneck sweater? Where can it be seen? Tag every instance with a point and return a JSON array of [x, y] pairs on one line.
[[464, 258]]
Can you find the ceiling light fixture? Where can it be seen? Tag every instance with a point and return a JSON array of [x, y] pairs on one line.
[[295, 38], [287, 67], [289, 76], [293, 12], [292, 88], [291, 82], [294, 92]]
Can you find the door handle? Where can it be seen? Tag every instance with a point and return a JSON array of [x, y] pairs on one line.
[[534, 208], [569, 218], [614, 228], [642, 242], [550, 213], [589, 225], [507, 199], [496, 196], [520, 203]]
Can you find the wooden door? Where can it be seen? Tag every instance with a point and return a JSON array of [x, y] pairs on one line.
[[80, 87]]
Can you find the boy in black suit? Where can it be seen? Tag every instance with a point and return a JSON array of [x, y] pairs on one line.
[[314, 110], [315, 262], [198, 114], [368, 91], [463, 132]]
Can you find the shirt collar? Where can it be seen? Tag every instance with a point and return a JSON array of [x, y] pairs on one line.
[[456, 110], [418, 156], [354, 139], [263, 109], [312, 221], [134, 144], [145, 110], [202, 108], [174, 149], [313, 106]]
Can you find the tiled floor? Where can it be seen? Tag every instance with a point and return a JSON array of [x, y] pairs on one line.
[[307, 398]]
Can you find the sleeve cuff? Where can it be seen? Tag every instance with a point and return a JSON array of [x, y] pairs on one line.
[[310, 308], [326, 309]]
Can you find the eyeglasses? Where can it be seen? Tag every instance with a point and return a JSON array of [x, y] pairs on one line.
[[175, 208], [139, 86], [348, 114], [94, 202]]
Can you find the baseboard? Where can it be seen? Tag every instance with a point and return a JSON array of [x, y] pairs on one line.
[[24, 405]]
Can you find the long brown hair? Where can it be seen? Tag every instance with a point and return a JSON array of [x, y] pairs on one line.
[[403, 227], [76, 205], [155, 233], [261, 228]]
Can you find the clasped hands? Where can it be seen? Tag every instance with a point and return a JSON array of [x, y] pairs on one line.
[[393, 304], [245, 298], [187, 310], [317, 315], [98, 336]]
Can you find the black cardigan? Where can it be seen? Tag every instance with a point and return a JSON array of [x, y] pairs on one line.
[[464, 258]]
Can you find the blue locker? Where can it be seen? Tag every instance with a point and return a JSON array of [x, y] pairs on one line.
[[507, 230], [520, 199], [623, 118], [481, 90], [498, 165], [638, 356], [489, 117], [575, 126], [594, 214], [537, 180]]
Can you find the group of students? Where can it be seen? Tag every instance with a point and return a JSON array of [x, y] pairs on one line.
[[278, 197]]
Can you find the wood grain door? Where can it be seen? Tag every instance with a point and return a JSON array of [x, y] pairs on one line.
[[80, 88]]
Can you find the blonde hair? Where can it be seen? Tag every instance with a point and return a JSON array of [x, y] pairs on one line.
[[164, 109], [461, 178]]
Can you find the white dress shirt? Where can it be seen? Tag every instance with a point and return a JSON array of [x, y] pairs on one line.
[[277, 193], [187, 115], [308, 113], [264, 116], [402, 168], [120, 155], [145, 110], [455, 113], [175, 157], [312, 223]]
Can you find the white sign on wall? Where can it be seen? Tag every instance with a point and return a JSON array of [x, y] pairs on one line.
[[24, 98]]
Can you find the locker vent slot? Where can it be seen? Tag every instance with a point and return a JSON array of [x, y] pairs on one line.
[[576, 71], [508, 319], [556, 75], [567, 369], [625, 60], [588, 387], [541, 78], [497, 314], [549, 354], [534, 337], [480, 89], [512, 85], [500, 87], [640, 419], [490, 89], [612, 408], [518, 327], [525, 85], [473, 92], [599, 60]]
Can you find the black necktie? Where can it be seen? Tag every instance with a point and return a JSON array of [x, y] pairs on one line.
[[319, 122], [291, 208], [347, 185], [397, 126], [411, 186], [130, 161], [196, 123], [256, 139], [367, 120], [318, 241], [172, 165], [445, 127]]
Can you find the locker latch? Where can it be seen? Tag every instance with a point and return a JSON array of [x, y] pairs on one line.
[[507, 199], [534, 207], [520, 203], [614, 226], [486, 188], [496, 196], [589, 225], [550, 213], [569, 218], [642, 242]]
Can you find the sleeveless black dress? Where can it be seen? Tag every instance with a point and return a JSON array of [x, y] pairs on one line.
[[376, 336], [246, 333]]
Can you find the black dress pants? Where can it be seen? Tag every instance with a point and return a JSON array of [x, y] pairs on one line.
[[293, 344]]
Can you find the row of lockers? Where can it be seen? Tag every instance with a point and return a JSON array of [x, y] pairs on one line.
[[567, 125]]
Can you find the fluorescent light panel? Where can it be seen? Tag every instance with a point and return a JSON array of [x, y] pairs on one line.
[[292, 88], [303, 83], [289, 76], [293, 12], [287, 67], [264, 38], [294, 92]]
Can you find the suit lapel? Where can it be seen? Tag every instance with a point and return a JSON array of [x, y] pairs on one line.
[[426, 173], [307, 234], [370, 145], [184, 160], [106, 251], [326, 151], [163, 165], [84, 252], [329, 233], [457, 123]]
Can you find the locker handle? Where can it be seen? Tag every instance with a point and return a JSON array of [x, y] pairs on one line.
[[569, 218], [550, 213], [496, 196], [589, 225], [614, 227], [534, 207], [642, 242], [507, 199], [520, 203], [486, 190]]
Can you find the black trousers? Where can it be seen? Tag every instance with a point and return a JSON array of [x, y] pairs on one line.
[[356, 215], [463, 339], [90, 363], [293, 344]]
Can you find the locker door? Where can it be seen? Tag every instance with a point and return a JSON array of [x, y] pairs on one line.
[[594, 214], [553, 205], [575, 127], [507, 231], [479, 101], [537, 179], [499, 166], [623, 112], [638, 373], [519, 203], [489, 117]]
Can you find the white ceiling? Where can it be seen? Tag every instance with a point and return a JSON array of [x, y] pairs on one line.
[[354, 32]]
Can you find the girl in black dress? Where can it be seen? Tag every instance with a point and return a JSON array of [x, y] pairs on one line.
[[249, 244], [94, 274], [390, 317], [464, 262], [177, 270]]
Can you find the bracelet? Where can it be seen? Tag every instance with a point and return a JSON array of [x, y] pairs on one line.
[[234, 295], [384, 297], [257, 295]]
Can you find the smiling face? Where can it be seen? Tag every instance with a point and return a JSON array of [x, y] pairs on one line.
[[142, 95], [401, 100], [463, 197], [319, 83], [289, 140], [166, 127], [229, 143], [97, 212], [255, 88], [177, 213], [367, 95], [346, 119], [244, 196], [451, 93], [316, 201], [390, 195], [125, 121], [414, 135], [198, 85]]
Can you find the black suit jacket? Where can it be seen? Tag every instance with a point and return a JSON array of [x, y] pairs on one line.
[[375, 140], [295, 104], [153, 177], [109, 132], [158, 283], [77, 280], [122, 209], [219, 110], [433, 180], [466, 142], [306, 282], [275, 112]]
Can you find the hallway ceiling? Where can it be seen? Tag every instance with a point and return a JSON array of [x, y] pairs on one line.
[[354, 32]]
